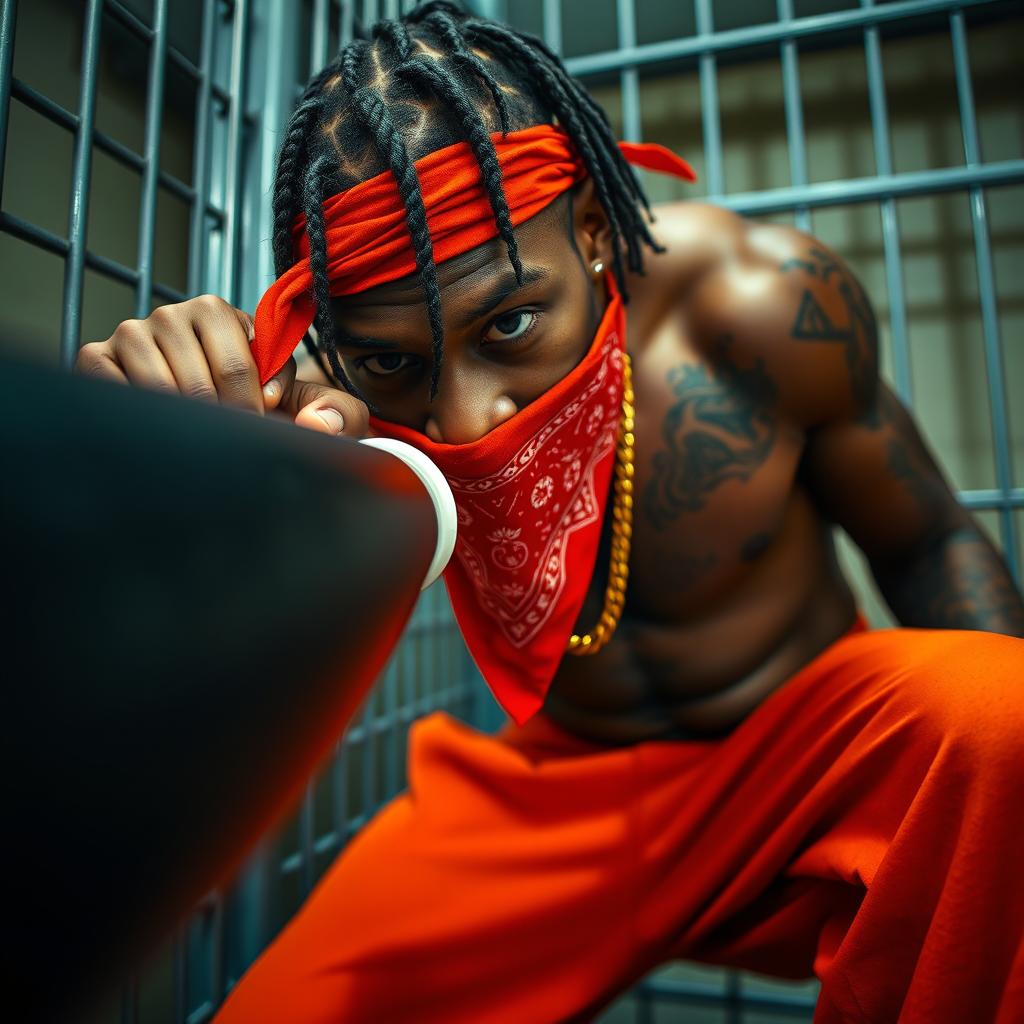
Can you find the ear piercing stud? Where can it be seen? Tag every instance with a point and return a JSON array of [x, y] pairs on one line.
[[597, 267]]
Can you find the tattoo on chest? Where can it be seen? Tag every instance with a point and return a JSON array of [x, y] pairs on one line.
[[859, 333], [720, 428]]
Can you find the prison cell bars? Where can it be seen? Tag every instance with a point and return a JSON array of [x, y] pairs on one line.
[[801, 196]]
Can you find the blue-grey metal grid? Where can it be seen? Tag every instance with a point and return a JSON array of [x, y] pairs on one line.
[[253, 56]]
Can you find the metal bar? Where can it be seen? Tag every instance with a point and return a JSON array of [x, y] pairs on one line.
[[890, 223], [860, 190], [391, 780], [318, 42], [552, 13], [81, 172], [710, 116], [794, 113], [130, 20], [347, 16], [773, 32], [232, 189], [200, 157], [8, 17], [632, 127], [370, 13], [307, 837], [151, 171], [32, 234], [36, 101], [986, 290]]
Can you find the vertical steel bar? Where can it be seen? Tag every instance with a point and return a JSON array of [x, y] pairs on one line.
[[552, 12], [391, 9], [987, 294], [81, 173], [201, 158], [8, 19], [307, 838], [151, 171], [890, 223], [710, 115], [369, 767], [232, 189], [630, 77], [347, 16], [371, 12], [318, 40], [794, 113], [339, 792], [391, 780]]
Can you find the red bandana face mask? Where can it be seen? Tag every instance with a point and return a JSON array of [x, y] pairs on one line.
[[530, 494]]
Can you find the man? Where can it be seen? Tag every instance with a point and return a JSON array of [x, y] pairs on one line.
[[736, 770]]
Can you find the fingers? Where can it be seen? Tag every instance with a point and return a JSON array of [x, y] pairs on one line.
[[94, 360], [223, 333], [327, 410], [279, 385], [142, 362]]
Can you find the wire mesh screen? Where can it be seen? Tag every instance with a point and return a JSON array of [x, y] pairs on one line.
[[137, 148]]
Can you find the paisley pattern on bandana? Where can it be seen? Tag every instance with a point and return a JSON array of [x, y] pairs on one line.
[[525, 513]]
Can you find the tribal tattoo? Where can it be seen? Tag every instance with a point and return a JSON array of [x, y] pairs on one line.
[[721, 428], [858, 335]]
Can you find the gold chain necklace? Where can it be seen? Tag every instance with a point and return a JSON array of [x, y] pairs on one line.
[[622, 529]]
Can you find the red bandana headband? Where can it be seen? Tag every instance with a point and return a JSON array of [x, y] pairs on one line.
[[368, 242]]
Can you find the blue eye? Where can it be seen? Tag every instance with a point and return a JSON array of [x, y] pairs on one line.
[[387, 364], [511, 326]]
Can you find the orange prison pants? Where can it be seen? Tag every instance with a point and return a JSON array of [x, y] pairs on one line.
[[864, 823]]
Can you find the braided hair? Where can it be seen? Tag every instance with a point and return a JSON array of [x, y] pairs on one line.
[[435, 77]]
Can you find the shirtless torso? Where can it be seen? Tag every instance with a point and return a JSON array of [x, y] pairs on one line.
[[734, 582]]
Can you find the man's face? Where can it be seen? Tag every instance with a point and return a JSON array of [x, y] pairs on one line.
[[504, 345]]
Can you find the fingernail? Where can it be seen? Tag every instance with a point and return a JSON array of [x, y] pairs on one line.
[[272, 389], [333, 419]]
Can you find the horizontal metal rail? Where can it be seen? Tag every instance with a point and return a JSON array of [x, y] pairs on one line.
[[692, 994], [43, 239], [35, 100], [773, 32], [863, 190]]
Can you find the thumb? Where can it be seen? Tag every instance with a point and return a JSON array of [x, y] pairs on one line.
[[279, 386], [327, 410]]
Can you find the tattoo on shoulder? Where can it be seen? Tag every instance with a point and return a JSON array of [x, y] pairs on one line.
[[857, 332], [721, 427]]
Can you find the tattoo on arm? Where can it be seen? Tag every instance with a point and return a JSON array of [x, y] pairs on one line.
[[960, 582], [720, 428], [859, 333]]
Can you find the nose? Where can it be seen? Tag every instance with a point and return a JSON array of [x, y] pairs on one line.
[[467, 407]]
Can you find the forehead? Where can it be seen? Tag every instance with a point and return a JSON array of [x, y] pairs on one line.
[[544, 241]]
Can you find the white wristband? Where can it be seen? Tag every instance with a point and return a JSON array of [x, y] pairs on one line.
[[440, 494]]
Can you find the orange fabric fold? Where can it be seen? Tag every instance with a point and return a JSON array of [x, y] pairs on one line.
[[368, 242]]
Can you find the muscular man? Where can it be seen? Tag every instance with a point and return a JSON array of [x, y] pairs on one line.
[[742, 773]]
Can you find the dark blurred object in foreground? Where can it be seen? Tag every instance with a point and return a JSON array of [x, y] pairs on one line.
[[198, 599]]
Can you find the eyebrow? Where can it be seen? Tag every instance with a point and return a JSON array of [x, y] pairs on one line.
[[503, 288]]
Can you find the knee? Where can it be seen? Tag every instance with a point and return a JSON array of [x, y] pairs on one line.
[[968, 686]]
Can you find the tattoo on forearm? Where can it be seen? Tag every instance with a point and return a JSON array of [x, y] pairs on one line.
[[858, 335], [958, 583], [721, 428]]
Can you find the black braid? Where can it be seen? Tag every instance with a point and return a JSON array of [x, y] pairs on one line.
[[423, 69], [436, 77], [376, 117]]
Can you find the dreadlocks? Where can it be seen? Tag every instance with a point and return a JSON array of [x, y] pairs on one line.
[[433, 78]]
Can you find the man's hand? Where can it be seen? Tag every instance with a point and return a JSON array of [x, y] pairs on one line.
[[200, 348]]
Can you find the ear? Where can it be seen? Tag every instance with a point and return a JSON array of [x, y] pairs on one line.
[[591, 226]]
